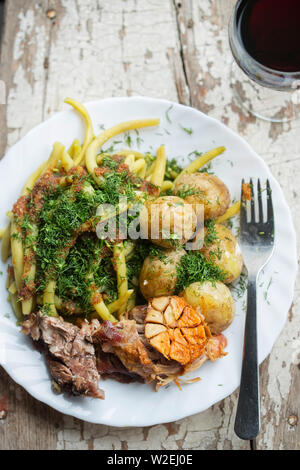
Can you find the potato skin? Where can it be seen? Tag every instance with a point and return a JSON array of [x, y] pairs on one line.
[[159, 276], [214, 302], [213, 193], [171, 208], [230, 257]]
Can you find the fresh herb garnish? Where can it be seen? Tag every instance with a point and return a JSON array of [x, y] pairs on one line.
[[186, 191], [168, 114], [240, 288], [128, 140], [188, 130], [172, 169], [194, 267], [206, 169], [210, 232]]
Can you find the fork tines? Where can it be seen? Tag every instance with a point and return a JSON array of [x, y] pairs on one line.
[[254, 199]]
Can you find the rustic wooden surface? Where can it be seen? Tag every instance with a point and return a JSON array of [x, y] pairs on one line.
[[93, 49]]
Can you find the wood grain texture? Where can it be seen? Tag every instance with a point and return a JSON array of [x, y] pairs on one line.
[[175, 50]]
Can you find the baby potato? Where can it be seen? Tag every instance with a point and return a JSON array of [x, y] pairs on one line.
[[168, 221], [228, 253], [159, 274], [202, 188], [213, 301]]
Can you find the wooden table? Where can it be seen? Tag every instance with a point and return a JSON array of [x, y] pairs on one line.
[[91, 49]]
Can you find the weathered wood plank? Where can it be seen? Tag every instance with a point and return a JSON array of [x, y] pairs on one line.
[[26, 33], [92, 49], [29, 424]]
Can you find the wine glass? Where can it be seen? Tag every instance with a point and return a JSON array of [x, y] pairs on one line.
[[264, 40]]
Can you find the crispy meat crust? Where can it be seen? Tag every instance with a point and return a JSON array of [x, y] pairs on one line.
[[126, 341]]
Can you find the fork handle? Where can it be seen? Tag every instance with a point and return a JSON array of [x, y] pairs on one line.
[[247, 421]]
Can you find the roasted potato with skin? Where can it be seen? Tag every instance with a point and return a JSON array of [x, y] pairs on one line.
[[213, 301], [168, 221], [202, 188], [225, 252], [159, 274]]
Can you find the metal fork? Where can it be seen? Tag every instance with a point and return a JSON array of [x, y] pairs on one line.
[[257, 243]]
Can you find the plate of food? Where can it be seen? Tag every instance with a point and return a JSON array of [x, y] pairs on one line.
[[124, 299]]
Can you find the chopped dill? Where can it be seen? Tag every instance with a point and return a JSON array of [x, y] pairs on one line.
[[172, 169], [105, 279], [196, 153], [139, 141], [168, 114], [110, 149], [266, 293], [189, 191], [188, 130], [109, 162], [241, 286], [128, 140], [157, 252], [134, 264], [229, 223], [72, 282], [149, 159], [194, 267], [65, 212], [206, 169], [210, 233], [16, 236], [45, 310]]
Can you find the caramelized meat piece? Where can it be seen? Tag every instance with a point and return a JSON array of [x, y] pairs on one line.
[[109, 366], [123, 340], [70, 352], [127, 341]]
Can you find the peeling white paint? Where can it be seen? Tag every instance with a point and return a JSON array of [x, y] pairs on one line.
[[26, 24]]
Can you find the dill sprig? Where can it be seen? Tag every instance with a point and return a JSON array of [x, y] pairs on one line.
[[167, 113], [188, 130]]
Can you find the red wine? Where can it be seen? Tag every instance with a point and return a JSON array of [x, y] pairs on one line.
[[270, 32]]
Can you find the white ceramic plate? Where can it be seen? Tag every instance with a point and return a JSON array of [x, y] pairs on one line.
[[138, 404]]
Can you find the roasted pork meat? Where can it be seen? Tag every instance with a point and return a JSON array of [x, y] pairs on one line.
[[123, 340], [126, 340], [70, 353], [77, 356]]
